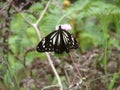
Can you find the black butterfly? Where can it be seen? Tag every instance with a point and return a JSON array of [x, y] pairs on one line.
[[57, 41]]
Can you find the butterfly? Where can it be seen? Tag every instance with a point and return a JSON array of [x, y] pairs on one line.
[[57, 41]]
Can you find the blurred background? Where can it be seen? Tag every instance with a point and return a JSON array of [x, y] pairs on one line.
[[96, 27]]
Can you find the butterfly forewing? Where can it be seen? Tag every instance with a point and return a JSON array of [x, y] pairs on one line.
[[70, 41], [46, 44]]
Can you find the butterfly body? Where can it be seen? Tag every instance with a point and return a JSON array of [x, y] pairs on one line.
[[57, 41]]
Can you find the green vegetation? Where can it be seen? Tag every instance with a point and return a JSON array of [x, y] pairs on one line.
[[96, 26]]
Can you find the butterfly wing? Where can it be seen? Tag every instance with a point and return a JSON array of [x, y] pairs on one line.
[[69, 41], [59, 43], [46, 44], [52, 42]]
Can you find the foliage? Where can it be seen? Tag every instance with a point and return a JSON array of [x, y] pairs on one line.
[[95, 25]]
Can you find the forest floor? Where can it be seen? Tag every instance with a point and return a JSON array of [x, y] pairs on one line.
[[88, 67]]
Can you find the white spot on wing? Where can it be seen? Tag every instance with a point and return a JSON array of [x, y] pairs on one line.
[[50, 40], [43, 46], [43, 42], [73, 40]]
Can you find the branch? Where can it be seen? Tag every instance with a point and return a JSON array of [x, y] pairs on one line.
[[47, 54], [35, 26], [41, 16], [50, 87]]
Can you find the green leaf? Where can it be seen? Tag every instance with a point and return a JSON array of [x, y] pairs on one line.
[[112, 82]]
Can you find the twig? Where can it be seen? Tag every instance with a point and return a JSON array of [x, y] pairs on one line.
[[37, 31], [50, 87], [26, 20], [75, 65], [35, 26], [41, 16], [54, 70], [47, 54]]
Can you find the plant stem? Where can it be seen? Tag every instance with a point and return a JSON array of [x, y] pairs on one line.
[[41, 16], [77, 69], [54, 70], [104, 24], [35, 26]]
